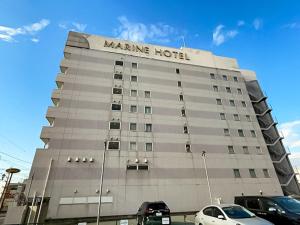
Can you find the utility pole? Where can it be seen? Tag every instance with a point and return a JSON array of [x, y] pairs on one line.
[[10, 172], [101, 183], [208, 184]]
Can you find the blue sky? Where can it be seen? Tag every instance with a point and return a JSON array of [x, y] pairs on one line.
[[263, 35]]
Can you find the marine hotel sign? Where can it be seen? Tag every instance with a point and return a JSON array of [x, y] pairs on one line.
[[146, 50]]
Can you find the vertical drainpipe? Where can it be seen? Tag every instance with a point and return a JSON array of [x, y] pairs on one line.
[[32, 204], [208, 184], [43, 195]]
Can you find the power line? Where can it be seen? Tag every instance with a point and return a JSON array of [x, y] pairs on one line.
[[13, 143], [14, 157]]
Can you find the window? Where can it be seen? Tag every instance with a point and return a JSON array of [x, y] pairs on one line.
[[116, 107], [219, 101], [236, 117], [148, 127], [133, 78], [225, 77], [245, 150], [226, 132], [235, 79], [119, 63], [244, 104], [212, 76], [180, 97], [252, 173], [231, 102], [179, 83], [241, 133], [258, 150], [248, 118], [118, 76], [133, 93], [236, 173], [230, 149], [134, 65], [114, 125], [132, 167], [208, 211], [239, 91], [148, 147], [188, 147], [143, 167], [177, 71], [222, 116], [147, 94], [132, 145], [132, 126], [228, 90], [113, 145], [185, 130], [266, 173], [133, 108], [253, 203], [117, 91], [253, 134], [215, 87], [183, 112], [148, 110]]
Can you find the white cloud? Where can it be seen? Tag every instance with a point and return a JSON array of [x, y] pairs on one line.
[[220, 35], [257, 23], [294, 25], [35, 40], [140, 32], [8, 33], [240, 23], [73, 26]]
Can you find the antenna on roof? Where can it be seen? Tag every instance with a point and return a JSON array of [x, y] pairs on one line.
[[183, 41]]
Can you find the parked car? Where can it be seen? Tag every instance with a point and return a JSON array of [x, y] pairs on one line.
[[280, 210], [153, 213], [228, 214]]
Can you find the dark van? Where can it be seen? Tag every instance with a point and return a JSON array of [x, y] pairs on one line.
[[154, 213], [280, 210]]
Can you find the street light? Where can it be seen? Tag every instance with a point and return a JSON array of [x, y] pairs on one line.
[[208, 184]]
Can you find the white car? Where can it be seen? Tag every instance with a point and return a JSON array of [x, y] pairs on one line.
[[228, 214]]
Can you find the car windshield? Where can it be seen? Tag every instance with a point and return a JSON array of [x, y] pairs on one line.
[[157, 206], [289, 204], [237, 212]]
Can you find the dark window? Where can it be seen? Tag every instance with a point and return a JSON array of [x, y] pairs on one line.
[[219, 101], [208, 211], [177, 71], [132, 126], [226, 132], [118, 76], [148, 127], [212, 76], [119, 63], [142, 167], [236, 173], [183, 112], [134, 78], [148, 110], [222, 116], [253, 134], [231, 102], [116, 107], [181, 97], [241, 133], [131, 167], [266, 173], [258, 150], [179, 83], [253, 203], [239, 91], [230, 149], [245, 150], [113, 145], [252, 173], [215, 87], [236, 117], [148, 147], [217, 212], [133, 93], [188, 147], [133, 108], [114, 125], [185, 130], [248, 118], [235, 79], [225, 77], [228, 90], [244, 104], [147, 94], [117, 91], [134, 65]]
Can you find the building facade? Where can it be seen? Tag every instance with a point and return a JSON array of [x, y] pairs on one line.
[[179, 125]]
